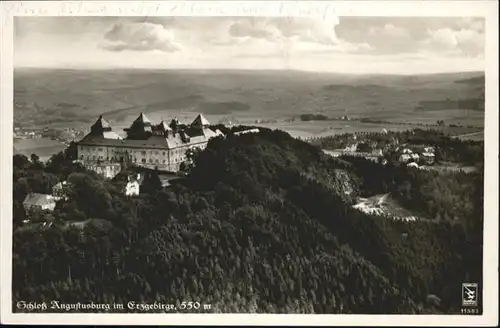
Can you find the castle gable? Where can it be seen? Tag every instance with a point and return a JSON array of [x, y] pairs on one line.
[[100, 126], [200, 121]]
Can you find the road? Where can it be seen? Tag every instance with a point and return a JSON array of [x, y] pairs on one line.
[[468, 134]]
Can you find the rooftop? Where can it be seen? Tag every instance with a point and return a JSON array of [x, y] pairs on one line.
[[200, 120], [35, 199], [155, 142], [141, 130], [101, 124]]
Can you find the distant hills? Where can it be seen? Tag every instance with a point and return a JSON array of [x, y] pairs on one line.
[[75, 97]]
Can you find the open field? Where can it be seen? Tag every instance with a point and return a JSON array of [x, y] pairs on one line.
[[76, 97], [451, 167], [43, 147], [475, 136], [387, 206], [327, 128]]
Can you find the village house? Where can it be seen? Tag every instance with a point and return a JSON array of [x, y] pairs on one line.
[[246, 131], [60, 190], [428, 158], [155, 146], [351, 147], [35, 201], [107, 170], [412, 164], [425, 154], [404, 158], [132, 188]]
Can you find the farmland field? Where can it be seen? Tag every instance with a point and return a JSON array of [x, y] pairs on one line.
[[43, 147], [75, 98], [43, 96]]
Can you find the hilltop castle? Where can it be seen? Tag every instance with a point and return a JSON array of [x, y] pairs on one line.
[[149, 145]]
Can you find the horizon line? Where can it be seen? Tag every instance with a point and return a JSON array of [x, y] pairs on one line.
[[75, 68]]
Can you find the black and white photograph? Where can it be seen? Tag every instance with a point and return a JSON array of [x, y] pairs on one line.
[[234, 162]]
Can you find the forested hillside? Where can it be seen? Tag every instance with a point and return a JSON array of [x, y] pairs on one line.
[[261, 223]]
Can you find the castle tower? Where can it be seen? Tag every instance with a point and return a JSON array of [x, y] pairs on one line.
[[140, 128], [100, 126], [162, 129], [200, 122]]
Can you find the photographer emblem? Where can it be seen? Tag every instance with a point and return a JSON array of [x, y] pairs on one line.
[[469, 294]]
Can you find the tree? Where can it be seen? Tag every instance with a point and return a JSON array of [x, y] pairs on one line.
[[151, 182], [262, 223], [364, 147], [20, 161], [34, 158]]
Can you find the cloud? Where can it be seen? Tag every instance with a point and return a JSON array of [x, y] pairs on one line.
[[286, 29], [468, 42], [389, 30], [140, 36], [440, 36], [286, 36], [330, 43], [258, 30]]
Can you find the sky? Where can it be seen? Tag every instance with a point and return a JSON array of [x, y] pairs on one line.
[[356, 45]]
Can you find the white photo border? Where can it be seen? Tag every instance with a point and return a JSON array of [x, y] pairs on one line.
[[317, 9]]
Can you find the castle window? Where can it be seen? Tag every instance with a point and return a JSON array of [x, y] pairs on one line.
[[107, 158], [163, 153], [163, 161], [93, 157], [144, 160], [150, 160]]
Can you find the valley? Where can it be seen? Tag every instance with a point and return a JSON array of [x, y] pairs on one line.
[[62, 99]]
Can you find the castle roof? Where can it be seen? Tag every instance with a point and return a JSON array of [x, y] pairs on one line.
[[142, 119], [101, 125], [187, 136], [35, 199], [153, 142], [164, 126], [200, 120], [102, 129], [140, 125]]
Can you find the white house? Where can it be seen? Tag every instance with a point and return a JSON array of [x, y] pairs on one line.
[[133, 186], [413, 164], [428, 158], [404, 158], [429, 149], [59, 191], [415, 157], [43, 202], [246, 131], [352, 147]]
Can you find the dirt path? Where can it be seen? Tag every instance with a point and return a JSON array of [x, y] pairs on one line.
[[468, 134]]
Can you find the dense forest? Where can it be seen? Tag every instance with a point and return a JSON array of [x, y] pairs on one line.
[[260, 223]]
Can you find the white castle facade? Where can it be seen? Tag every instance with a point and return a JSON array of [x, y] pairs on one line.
[[149, 145]]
